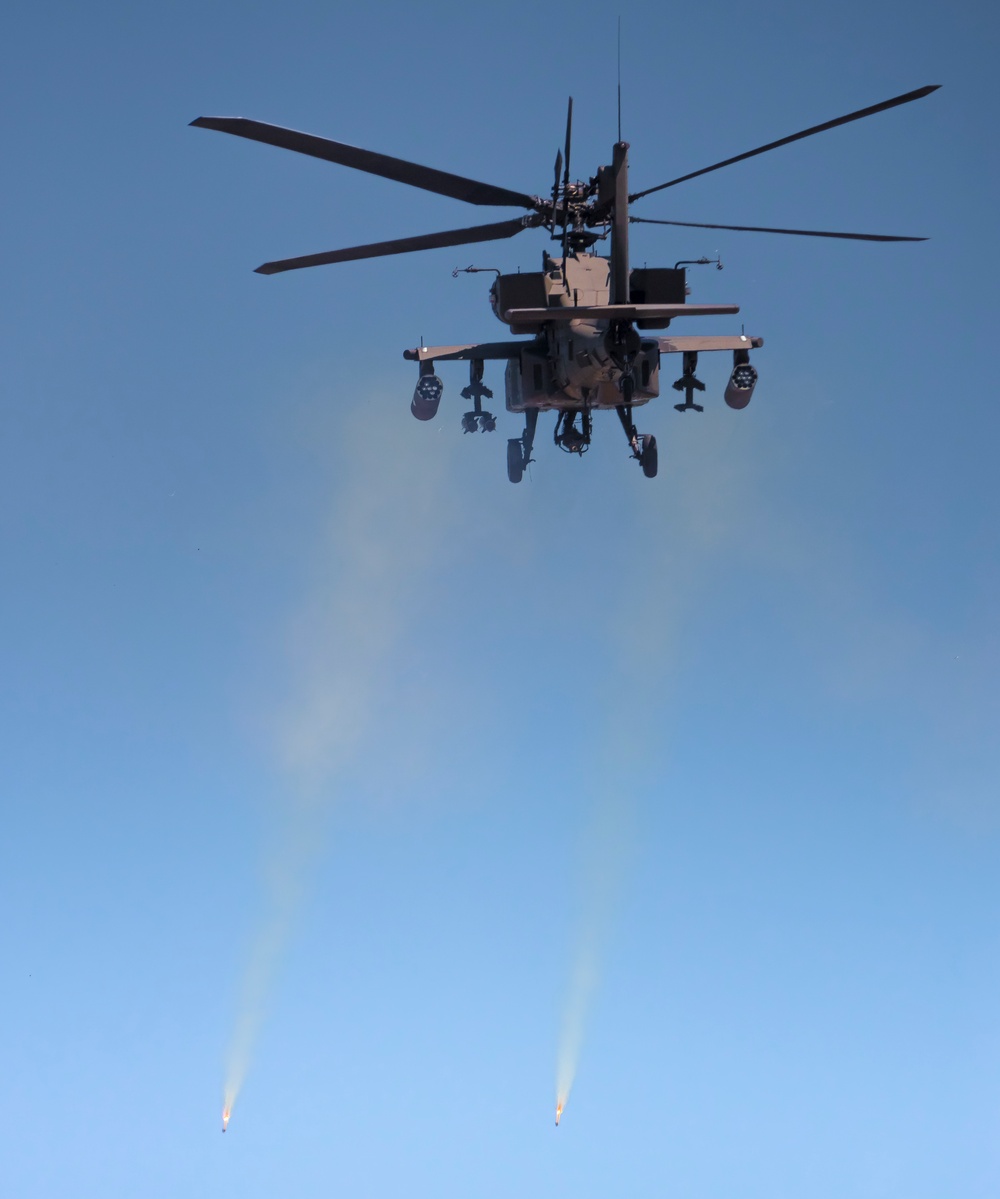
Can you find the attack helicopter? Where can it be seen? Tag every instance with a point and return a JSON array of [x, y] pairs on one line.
[[583, 321]]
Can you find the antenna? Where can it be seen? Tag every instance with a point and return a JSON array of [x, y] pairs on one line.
[[619, 77]]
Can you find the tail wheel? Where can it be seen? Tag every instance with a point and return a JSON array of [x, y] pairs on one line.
[[648, 458], [515, 460]]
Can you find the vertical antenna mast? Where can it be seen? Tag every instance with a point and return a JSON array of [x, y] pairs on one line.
[[619, 78], [619, 224]]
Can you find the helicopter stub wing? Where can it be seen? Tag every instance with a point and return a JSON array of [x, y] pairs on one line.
[[698, 345], [480, 352], [615, 312]]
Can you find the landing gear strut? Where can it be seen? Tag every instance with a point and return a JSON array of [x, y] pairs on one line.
[[643, 444], [519, 448], [486, 422], [689, 384]]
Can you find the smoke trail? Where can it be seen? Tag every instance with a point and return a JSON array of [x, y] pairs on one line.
[[284, 887], [284, 896], [653, 596], [381, 537], [583, 981], [606, 847]]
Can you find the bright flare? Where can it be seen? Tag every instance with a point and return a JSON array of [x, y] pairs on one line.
[[226, 1113], [559, 1108]]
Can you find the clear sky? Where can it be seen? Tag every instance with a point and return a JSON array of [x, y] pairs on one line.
[[316, 728]]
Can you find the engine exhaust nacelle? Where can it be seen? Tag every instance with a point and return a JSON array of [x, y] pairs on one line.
[[427, 394], [742, 381]]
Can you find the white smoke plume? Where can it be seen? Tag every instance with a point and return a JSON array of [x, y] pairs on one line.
[[605, 855], [374, 559]]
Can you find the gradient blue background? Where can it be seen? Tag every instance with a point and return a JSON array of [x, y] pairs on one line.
[[747, 713]]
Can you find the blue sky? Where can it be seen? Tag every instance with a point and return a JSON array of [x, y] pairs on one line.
[[280, 660]]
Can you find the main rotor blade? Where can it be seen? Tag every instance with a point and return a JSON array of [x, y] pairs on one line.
[[445, 184], [641, 220], [403, 245], [565, 236], [784, 141], [569, 135]]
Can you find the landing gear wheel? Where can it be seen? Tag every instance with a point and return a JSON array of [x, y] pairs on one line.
[[515, 460], [648, 458]]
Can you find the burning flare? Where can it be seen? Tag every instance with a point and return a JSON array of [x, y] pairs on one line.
[[559, 1107], [226, 1113]]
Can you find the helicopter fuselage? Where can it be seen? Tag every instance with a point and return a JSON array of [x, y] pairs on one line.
[[576, 363]]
